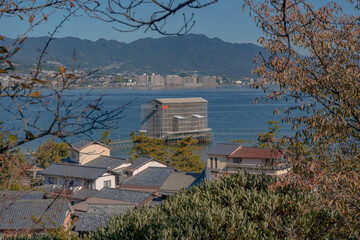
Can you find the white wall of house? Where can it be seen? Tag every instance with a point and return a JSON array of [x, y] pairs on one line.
[[221, 161], [91, 152], [99, 183], [122, 166], [147, 165]]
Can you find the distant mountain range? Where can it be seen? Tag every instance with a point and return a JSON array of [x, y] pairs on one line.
[[166, 55]]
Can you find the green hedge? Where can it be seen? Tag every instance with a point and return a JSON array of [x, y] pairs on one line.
[[236, 207]]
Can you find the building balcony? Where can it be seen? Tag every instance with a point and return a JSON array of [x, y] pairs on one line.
[[280, 166], [233, 168]]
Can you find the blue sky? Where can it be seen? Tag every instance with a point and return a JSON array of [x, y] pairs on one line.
[[224, 20]]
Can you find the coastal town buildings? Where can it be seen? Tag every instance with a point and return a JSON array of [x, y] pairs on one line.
[[208, 81], [100, 186], [157, 80], [142, 80], [174, 81]]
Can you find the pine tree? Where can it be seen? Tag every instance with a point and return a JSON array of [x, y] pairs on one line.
[[183, 157], [146, 146], [51, 152]]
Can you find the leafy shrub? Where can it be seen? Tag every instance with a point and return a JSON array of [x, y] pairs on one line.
[[236, 207]]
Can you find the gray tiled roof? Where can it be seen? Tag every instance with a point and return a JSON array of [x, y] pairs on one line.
[[48, 188], [110, 208], [223, 148], [106, 162], [82, 207], [150, 177], [84, 193], [91, 221], [74, 171], [21, 214], [122, 195], [181, 100], [98, 214], [84, 143], [179, 180], [140, 161], [20, 195]]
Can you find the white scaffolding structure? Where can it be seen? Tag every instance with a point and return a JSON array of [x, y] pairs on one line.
[[176, 118]]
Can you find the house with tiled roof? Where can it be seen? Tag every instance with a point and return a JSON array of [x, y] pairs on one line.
[[178, 181], [148, 180], [89, 166], [70, 176], [229, 158], [86, 150], [97, 215], [141, 163], [34, 215], [106, 203]]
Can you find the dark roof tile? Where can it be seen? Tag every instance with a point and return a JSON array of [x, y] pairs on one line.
[[20, 195], [179, 180], [21, 214], [150, 177], [91, 221], [223, 148], [116, 209], [122, 195], [140, 161], [84, 193], [74, 171]]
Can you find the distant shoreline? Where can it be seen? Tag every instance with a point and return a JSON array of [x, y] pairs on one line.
[[170, 87]]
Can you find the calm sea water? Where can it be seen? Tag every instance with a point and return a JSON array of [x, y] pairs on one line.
[[231, 112]]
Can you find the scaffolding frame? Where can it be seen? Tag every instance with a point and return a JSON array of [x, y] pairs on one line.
[[176, 118]]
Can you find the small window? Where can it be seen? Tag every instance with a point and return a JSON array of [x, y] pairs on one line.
[[212, 162], [216, 166], [237, 160], [73, 156], [52, 180], [267, 161], [87, 184], [107, 183]]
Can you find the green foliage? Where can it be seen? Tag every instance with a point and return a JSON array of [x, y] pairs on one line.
[[267, 139], [183, 158], [15, 186], [105, 138], [237, 207], [146, 146], [13, 167], [243, 142], [51, 152]]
